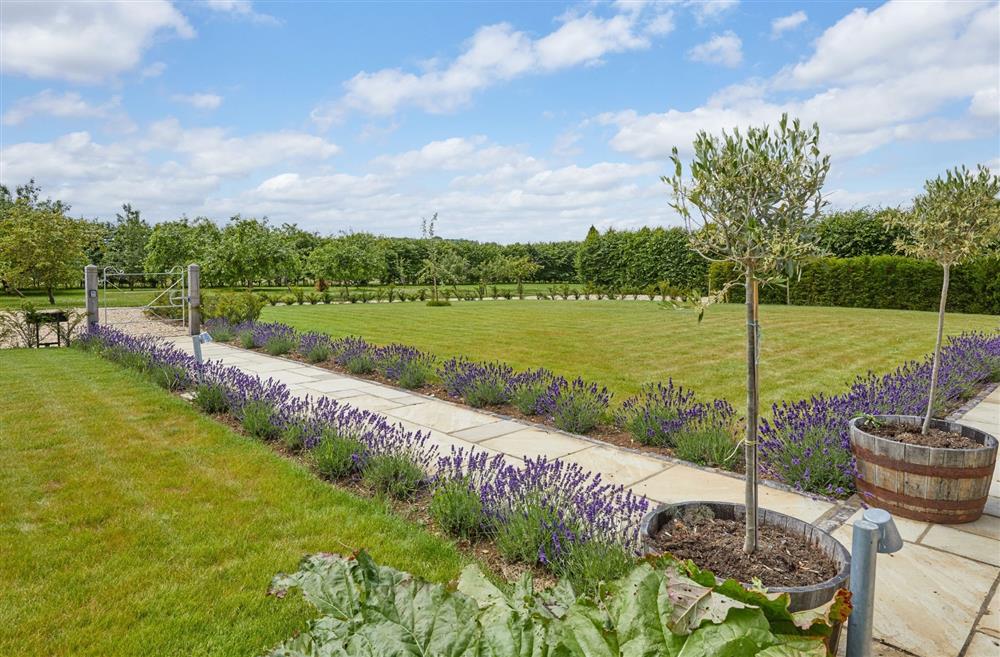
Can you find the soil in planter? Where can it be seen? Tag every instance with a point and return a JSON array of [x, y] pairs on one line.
[[934, 438], [782, 557]]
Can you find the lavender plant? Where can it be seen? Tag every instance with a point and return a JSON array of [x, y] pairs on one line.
[[315, 347], [527, 388], [354, 354], [574, 406], [478, 384], [657, 413], [407, 366], [220, 329]]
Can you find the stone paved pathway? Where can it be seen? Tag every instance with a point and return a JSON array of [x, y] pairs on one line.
[[935, 598]]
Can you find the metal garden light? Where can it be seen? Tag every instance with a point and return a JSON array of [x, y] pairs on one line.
[[874, 532]]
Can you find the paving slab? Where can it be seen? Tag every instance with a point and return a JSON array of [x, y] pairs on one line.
[[618, 466], [683, 483], [372, 403], [971, 546], [990, 622], [926, 601], [340, 383], [987, 525], [487, 431], [442, 416], [983, 645], [532, 443]]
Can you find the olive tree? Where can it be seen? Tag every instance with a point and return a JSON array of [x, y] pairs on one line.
[[752, 200], [956, 219]]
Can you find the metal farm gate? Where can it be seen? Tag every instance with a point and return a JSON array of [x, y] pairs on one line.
[[122, 303]]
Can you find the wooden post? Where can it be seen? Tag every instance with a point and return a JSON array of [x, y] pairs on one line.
[[90, 291], [194, 308], [750, 448], [194, 298]]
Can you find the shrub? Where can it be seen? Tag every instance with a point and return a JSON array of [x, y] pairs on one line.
[[587, 565], [529, 534], [438, 303], [315, 347], [280, 341], [408, 367], [211, 398], [355, 355], [337, 456], [395, 475], [234, 307], [313, 298], [653, 416], [220, 330], [712, 446], [246, 338], [457, 509], [258, 419], [479, 384], [574, 406], [294, 435], [169, 376], [526, 388]]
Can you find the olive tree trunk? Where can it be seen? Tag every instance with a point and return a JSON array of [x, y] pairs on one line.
[[750, 446], [937, 350]]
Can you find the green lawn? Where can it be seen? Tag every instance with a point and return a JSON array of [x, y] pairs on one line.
[[623, 344], [131, 525]]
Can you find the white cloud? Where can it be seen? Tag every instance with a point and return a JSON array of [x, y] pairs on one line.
[[785, 23], [870, 82], [494, 54], [706, 11], [201, 101], [454, 154], [242, 9], [84, 42], [725, 49], [154, 70], [68, 104], [168, 169]]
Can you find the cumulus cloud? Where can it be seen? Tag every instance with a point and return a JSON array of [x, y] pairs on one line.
[[725, 49], [84, 42], [706, 11], [787, 23], [495, 54], [875, 77], [241, 9], [66, 105], [154, 70], [200, 101]]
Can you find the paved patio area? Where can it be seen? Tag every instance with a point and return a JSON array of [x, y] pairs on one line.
[[935, 598]]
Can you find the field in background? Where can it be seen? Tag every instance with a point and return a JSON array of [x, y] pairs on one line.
[[132, 525], [623, 344]]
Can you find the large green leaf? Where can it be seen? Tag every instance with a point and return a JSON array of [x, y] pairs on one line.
[[664, 609]]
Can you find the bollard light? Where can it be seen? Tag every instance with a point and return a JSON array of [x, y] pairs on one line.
[[874, 532]]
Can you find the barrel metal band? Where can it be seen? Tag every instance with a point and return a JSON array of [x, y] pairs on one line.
[[944, 472]]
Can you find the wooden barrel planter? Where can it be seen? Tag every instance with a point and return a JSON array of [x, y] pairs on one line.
[[931, 484], [802, 597]]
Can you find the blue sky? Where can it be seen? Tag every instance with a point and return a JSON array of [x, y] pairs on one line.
[[513, 121]]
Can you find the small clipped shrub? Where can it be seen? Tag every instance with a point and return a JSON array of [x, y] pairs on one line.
[[527, 535], [588, 564], [293, 436], [258, 420], [220, 330], [711, 446], [395, 475], [168, 376], [337, 456], [234, 307], [280, 344], [408, 367], [574, 406], [479, 384], [527, 388], [246, 338], [457, 509], [211, 398], [437, 303], [315, 347]]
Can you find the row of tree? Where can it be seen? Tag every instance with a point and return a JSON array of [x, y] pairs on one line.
[[41, 246]]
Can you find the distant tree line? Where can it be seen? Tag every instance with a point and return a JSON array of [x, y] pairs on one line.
[[41, 246]]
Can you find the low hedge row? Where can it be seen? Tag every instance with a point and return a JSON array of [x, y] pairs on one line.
[[893, 282]]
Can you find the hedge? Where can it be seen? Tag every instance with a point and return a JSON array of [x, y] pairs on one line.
[[634, 260], [880, 282]]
